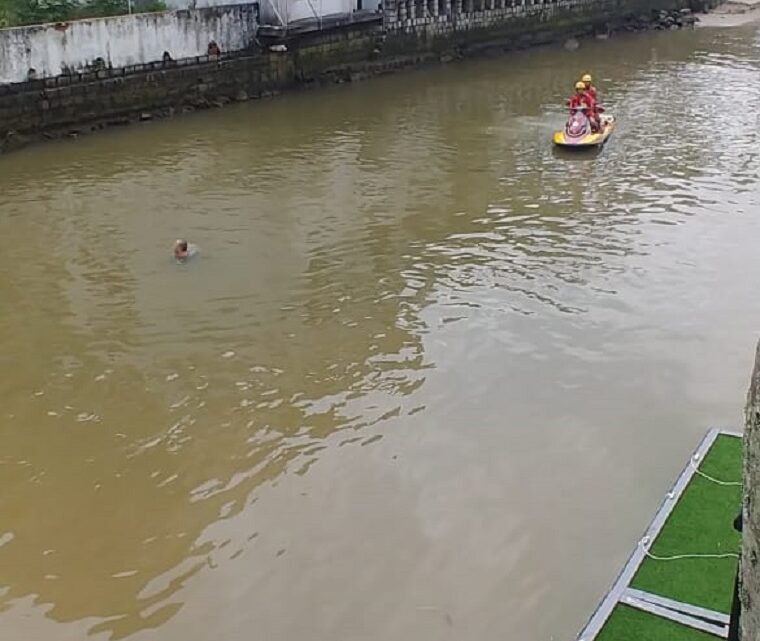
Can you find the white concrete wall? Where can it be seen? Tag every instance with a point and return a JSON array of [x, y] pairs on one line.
[[49, 49], [293, 10], [289, 10]]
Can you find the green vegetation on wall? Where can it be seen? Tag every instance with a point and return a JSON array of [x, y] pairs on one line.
[[15, 13]]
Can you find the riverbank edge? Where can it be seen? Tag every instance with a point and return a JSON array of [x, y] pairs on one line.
[[71, 106]]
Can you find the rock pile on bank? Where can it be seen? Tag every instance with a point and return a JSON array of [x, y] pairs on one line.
[[661, 20], [675, 19]]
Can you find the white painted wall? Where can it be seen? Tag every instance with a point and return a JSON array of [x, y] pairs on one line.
[[292, 10], [289, 10], [122, 40]]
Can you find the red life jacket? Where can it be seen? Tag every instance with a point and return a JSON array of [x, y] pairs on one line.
[[591, 102], [578, 100]]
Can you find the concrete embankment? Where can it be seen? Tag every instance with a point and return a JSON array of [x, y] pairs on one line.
[[750, 579], [96, 92]]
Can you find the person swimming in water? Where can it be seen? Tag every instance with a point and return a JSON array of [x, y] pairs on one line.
[[181, 250], [184, 250]]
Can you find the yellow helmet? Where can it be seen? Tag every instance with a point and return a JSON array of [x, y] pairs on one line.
[[586, 78], [580, 85]]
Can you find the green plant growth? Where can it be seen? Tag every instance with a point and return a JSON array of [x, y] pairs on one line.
[[25, 12]]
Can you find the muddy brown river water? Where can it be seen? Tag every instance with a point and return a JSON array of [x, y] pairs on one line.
[[427, 379]]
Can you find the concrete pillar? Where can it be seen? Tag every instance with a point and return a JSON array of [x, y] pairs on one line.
[[390, 13]]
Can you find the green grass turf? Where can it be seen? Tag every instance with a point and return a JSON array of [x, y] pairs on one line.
[[701, 523], [628, 624]]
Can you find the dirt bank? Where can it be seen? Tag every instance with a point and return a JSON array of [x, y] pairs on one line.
[[732, 14]]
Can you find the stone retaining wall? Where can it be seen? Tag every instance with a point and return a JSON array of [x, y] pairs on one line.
[[516, 23]]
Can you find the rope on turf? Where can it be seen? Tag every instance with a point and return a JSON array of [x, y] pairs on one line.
[[714, 480], [645, 544], [693, 464]]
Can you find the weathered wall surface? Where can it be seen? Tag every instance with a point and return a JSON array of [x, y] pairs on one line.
[[750, 572], [53, 49], [441, 23]]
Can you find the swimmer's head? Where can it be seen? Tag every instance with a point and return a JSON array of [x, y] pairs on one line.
[[180, 249]]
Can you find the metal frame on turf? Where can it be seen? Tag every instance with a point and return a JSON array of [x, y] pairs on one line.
[[714, 622]]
